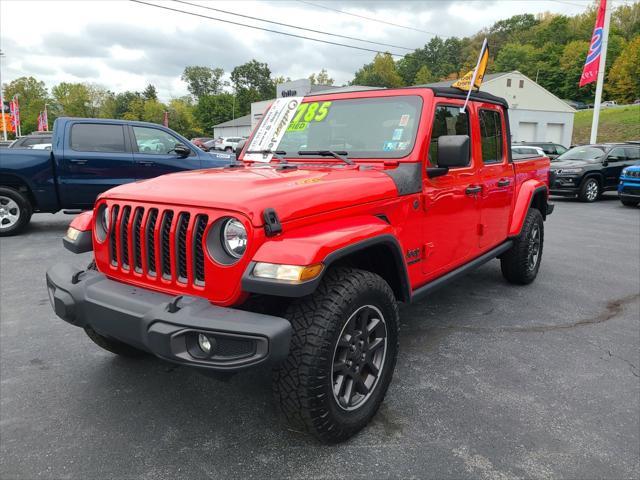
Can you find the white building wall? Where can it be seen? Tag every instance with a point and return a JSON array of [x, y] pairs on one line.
[[240, 131], [541, 126]]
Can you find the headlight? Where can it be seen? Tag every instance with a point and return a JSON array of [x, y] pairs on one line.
[[105, 218], [569, 170], [103, 221], [624, 172], [234, 238]]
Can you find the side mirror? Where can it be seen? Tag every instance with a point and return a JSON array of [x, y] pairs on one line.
[[182, 150], [239, 147], [612, 159], [453, 151]]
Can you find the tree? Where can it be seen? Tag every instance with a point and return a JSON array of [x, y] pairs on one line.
[[623, 82], [214, 109], [32, 95], [322, 78], [203, 81], [571, 63], [625, 20], [252, 82], [515, 56], [423, 76], [153, 111], [181, 118], [150, 93], [382, 72]]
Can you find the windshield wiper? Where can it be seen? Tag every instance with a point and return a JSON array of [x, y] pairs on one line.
[[276, 153], [340, 155]]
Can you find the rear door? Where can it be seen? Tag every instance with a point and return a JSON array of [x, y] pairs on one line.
[[153, 152], [96, 157], [496, 175], [450, 202], [616, 160]]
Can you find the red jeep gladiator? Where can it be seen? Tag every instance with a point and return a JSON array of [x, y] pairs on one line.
[[298, 255]]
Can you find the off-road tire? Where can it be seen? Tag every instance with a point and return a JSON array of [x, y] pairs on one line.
[[586, 190], [516, 263], [303, 383], [24, 208], [630, 203], [112, 345], [228, 149]]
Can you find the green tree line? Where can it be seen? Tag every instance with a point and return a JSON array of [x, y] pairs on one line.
[[548, 48]]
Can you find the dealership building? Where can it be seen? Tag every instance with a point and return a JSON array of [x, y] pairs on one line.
[[535, 114]]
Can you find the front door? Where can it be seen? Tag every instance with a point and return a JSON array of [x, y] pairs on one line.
[[96, 157], [497, 178], [450, 204], [616, 161], [153, 153]]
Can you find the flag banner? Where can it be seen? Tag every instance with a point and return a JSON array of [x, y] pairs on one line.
[[40, 123], [45, 120], [12, 115], [6, 122], [466, 82], [165, 120], [16, 111], [591, 66]]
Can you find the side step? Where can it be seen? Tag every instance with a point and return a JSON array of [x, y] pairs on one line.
[[421, 292]]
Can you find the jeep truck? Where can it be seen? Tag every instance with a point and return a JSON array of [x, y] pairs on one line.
[[369, 198]]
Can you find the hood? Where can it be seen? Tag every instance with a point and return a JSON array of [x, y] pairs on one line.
[[570, 164], [293, 193]]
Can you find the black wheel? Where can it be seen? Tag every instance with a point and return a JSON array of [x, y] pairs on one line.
[[228, 149], [521, 263], [342, 357], [589, 190], [630, 203], [112, 345], [15, 211]]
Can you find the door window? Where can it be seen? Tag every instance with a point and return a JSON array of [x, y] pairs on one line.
[[446, 121], [95, 137], [560, 149], [633, 153], [154, 141], [619, 153], [491, 134]]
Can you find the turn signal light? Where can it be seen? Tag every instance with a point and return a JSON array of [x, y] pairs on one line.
[[290, 273]]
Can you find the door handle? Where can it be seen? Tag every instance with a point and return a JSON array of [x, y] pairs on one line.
[[146, 163], [503, 182], [473, 190], [79, 161]]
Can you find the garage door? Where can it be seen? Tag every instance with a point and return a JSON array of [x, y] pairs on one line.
[[554, 132], [527, 131]]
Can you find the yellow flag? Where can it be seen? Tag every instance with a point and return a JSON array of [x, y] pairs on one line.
[[465, 82]]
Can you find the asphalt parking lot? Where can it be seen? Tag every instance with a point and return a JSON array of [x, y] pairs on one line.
[[493, 381]]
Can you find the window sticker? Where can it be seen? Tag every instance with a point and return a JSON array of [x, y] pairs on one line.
[[307, 113], [403, 145], [272, 128], [397, 134], [404, 120], [390, 146]]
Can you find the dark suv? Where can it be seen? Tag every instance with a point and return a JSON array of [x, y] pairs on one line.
[[589, 170], [552, 150]]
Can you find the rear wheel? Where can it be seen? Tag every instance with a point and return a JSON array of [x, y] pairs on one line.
[[521, 263], [589, 190], [15, 211], [342, 357], [228, 149]]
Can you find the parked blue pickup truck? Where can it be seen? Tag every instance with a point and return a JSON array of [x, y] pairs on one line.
[[87, 157]]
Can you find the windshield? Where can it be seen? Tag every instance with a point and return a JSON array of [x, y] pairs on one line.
[[382, 127], [582, 153]]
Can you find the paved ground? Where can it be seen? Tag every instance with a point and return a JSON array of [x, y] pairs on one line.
[[493, 382]]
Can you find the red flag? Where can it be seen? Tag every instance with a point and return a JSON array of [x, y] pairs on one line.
[[16, 111], [40, 129], [45, 120], [13, 115], [591, 66], [165, 120]]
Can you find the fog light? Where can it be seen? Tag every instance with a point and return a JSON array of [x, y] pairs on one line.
[[204, 343], [73, 234]]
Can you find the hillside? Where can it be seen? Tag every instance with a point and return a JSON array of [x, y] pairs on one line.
[[617, 124]]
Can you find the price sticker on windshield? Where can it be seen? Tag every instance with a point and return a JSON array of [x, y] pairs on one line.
[[307, 113], [272, 128]]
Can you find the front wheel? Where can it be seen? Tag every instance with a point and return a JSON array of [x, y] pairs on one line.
[[228, 149], [590, 190], [520, 264], [342, 357], [15, 211]]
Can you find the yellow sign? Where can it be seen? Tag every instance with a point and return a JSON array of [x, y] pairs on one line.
[[465, 82]]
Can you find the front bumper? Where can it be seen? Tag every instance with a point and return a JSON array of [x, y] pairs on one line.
[[565, 185], [166, 325]]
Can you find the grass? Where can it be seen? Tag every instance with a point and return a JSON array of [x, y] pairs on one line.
[[617, 124]]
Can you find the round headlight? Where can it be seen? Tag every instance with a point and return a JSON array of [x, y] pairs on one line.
[[234, 238]]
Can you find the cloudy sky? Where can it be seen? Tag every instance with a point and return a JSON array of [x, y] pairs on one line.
[[124, 45]]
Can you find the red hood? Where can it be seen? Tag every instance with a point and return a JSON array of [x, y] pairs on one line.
[[293, 193]]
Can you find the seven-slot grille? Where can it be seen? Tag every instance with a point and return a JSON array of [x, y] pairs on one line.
[[158, 242]]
